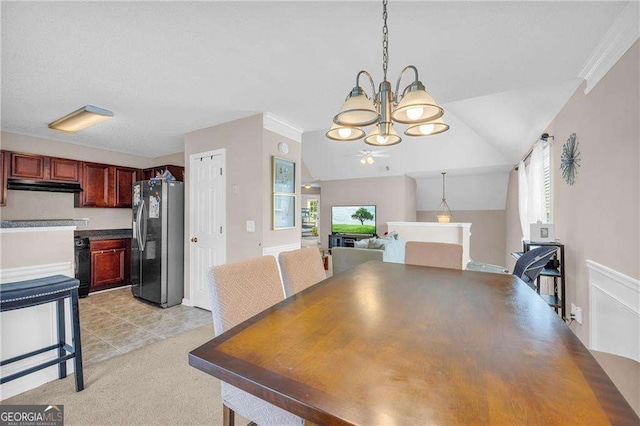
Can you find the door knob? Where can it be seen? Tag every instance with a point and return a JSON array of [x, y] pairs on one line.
[[194, 240]]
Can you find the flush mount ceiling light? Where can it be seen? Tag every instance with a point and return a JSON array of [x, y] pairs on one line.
[[413, 106], [80, 119]]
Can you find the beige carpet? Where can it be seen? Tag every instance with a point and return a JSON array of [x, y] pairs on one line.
[[151, 385]]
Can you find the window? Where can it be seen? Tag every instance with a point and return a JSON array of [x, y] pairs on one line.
[[547, 181]]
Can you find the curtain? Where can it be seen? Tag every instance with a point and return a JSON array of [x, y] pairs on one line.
[[523, 188], [531, 190]]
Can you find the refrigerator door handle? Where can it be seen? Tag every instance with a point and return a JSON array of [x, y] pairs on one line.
[[137, 226], [142, 242]]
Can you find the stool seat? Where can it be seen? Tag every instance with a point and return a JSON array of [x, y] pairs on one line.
[[52, 289], [23, 290]]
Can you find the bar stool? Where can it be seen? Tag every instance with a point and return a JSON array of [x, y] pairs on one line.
[[29, 293]]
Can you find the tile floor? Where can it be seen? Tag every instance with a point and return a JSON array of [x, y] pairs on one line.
[[114, 322]]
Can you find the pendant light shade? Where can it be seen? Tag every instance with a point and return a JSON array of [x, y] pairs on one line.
[[427, 129], [416, 106], [357, 110], [344, 133], [383, 134], [444, 212]]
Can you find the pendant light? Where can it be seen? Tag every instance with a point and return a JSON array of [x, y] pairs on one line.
[[444, 212], [413, 106]]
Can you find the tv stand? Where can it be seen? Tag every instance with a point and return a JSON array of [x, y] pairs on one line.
[[346, 240]]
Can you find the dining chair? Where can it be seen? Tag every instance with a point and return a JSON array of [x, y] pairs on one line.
[[300, 269], [239, 291], [531, 263], [439, 255], [624, 373], [345, 258]]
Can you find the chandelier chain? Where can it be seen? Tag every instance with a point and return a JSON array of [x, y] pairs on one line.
[[385, 40]]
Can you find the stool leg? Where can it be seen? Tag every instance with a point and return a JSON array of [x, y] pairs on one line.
[[62, 367], [77, 345]]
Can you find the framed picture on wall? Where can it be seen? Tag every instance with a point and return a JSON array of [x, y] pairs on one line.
[[284, 176], [284, 211]]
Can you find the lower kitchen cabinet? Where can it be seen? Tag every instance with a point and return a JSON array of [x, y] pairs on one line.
[[110, 263]]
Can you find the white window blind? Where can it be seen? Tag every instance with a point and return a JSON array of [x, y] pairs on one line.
[[547, 182]]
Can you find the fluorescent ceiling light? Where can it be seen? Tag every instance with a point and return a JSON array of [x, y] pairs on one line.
[[80, 119]]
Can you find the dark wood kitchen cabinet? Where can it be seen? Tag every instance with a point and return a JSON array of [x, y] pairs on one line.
[[3, 177], [27, 166], [110, 263], [176, 171], [94, 179], [64, 170], [124, 178]]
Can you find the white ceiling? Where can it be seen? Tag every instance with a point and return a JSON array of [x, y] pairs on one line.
[[501, 69]]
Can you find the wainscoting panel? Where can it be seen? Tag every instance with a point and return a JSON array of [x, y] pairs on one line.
[[275, 250], [28, 329], [614, 301]]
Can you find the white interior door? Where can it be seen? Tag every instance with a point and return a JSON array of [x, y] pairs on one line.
[[207, 215]]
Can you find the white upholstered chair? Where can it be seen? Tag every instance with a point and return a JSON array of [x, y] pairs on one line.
[[301, 269], [439, 255], [238, 292]]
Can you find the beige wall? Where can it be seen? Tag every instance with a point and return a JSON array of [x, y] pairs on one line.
[[395, 198], [597, 218], [49, 205], [248, 163], [487, 232], [270, 143], [513, 232]]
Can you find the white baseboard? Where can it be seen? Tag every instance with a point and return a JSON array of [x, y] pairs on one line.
[[187, 302]]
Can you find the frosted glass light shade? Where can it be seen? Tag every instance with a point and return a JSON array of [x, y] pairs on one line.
[[357, 110], [444, 213], [344, 133], [377, 138], [80, 119], [427, 129], [417, 106]]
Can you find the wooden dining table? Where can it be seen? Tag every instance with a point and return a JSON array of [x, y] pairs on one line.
[[391, 344]]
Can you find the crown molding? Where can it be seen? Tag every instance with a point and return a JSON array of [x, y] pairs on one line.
[[282, 127], [618, 39]]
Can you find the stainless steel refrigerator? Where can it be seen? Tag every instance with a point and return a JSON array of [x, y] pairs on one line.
[[157, 248]]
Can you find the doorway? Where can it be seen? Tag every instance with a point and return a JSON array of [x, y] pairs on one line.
[[207, 226]]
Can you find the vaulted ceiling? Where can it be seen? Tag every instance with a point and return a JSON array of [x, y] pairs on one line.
[[502, 70]]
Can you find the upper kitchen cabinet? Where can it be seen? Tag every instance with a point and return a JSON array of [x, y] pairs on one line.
[[176, 171], [95, 182], [64, 170], [27, 166], [124, 178], [3, 177], [105, 186]]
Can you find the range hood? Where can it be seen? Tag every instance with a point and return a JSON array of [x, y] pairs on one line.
[[44, 186]]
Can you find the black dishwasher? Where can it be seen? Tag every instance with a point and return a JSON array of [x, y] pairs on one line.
[[83, 264]]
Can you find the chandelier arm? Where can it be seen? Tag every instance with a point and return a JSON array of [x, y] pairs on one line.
[[396, 96], [373, 86]]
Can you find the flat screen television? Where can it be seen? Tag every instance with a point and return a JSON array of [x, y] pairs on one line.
[[353, 219]]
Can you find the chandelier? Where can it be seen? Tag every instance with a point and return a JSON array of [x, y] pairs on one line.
[[413, 106]]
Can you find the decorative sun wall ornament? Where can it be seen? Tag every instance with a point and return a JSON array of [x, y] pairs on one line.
[[570, 160]]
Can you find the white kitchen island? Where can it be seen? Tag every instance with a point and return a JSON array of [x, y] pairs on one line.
[[28, 250]]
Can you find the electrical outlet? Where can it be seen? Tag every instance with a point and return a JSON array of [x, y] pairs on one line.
[[578, 315], [573, 308]]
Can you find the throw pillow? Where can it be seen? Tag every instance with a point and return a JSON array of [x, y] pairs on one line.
[[377, 243], [361, 244]]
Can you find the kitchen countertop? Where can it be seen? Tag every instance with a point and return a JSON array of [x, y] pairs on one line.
[[42, 223], [104, 234]]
